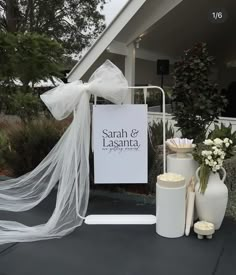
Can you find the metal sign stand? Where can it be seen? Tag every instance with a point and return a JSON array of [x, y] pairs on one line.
[[134, 219]]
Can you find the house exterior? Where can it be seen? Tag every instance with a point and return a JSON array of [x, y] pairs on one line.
[[121, 42], [147, 30]]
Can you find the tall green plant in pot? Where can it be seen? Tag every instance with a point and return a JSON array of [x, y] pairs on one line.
[[197, 100]]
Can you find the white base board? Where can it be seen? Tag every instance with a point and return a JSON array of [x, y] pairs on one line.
[[120, 219]]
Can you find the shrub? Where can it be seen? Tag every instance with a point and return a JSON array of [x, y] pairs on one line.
[[221, 131], [30, 143], [25, 105], [198, 102], [156, 133], [3, 148], [156, 139], [230, 167]]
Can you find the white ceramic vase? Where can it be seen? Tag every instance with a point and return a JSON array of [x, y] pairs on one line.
[[211, 205]]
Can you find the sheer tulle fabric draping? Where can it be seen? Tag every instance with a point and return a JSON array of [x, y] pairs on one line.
[[66, 165]]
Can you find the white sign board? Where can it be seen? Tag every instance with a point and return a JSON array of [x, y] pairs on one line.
[[120, 143]]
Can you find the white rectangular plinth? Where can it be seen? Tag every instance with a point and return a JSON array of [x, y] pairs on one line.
[[120, 219]]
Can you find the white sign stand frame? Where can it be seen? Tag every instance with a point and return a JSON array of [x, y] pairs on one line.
[[134, 219]]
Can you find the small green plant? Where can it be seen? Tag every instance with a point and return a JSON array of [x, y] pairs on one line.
[[155, 142], [156, 139], [156, 133]]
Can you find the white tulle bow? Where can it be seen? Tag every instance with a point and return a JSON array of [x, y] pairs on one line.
[[66, 165], [107, 82]]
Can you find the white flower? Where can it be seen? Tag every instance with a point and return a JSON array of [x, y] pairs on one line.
[[214, 169], [215, 155], [226, 140], [208, 142], [220, 161], [211, 163], [206, 161], [230, 141], [206, 153], [218, 141]]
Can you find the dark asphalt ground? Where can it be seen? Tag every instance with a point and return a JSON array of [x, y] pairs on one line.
[[117, 250]]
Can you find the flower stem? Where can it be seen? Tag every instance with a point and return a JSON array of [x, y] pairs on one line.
[[204, 176]]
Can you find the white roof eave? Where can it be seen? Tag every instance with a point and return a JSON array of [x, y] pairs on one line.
[[104, 40]]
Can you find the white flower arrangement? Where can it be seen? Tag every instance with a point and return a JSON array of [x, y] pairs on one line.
[[211, 157], [215, 155]]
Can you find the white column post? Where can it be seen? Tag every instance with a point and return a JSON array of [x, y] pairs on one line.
[[130, 71]]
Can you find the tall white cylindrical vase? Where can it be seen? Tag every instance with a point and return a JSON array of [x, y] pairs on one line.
[[170, 208], [182, 164]]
